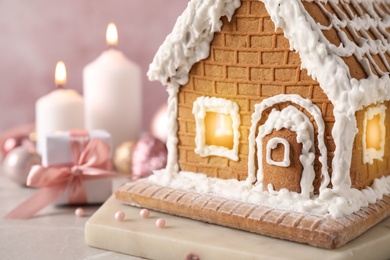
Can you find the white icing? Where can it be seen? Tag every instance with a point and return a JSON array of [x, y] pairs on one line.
[[293, 119], [315, 113], [369, 154], [172, 140], [189, 43], [218, 105], [323, 62], [272, 144], [329, 202]]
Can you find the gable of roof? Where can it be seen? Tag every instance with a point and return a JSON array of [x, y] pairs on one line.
[[344, 44], [189, 41]]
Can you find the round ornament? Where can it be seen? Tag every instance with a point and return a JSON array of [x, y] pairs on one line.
[[79, 212], [149, 154], [144, 213], [123, 157], [18, 162], [160, 223], [120, 216]]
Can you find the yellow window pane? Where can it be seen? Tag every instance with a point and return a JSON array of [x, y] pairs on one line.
[[219, 129], [373, 133]]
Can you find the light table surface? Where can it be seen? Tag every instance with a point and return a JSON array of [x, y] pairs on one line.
[[54, 233]]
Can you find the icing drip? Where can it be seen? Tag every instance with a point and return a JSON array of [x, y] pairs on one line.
[[189, 41], [292, 119]]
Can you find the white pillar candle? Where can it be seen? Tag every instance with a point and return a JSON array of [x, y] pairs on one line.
[[60, 110], [112, 93]]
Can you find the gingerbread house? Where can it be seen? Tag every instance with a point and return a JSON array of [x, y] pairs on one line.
[[282, 104]]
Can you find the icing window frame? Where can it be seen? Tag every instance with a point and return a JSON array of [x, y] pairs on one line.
[[272, 144], [370, 153], [201, 106]]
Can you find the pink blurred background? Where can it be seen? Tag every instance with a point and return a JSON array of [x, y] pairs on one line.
[[34, 35]]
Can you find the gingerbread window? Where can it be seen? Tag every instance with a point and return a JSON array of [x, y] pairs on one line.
[[217, 122], [374, 131], [272, 145]]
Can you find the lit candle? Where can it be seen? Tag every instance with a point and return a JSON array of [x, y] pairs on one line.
[[60, 110], [112, 93]]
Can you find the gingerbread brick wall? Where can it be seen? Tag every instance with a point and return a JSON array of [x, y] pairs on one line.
[[363, 174], [248, 63]]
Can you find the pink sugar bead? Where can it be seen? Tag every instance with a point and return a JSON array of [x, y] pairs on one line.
[[79, 212], [119, 216], [160, 223], [144, 213]]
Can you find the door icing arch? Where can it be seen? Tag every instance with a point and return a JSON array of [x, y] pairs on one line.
[[314, 111]]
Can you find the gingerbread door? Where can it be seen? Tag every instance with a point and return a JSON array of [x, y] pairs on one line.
[[281, 165], [285, 151]]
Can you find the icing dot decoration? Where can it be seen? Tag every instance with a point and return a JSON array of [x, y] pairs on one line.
[[79, 212], [120, 216], [160, 223], [144, 213]]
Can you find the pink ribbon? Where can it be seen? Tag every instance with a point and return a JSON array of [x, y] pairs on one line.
[[90, 157]]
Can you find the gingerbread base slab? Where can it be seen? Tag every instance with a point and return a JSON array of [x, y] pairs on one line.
[[140, 237], [315, 230]]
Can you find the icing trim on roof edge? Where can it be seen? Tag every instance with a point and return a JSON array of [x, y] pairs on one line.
[[189, 41]]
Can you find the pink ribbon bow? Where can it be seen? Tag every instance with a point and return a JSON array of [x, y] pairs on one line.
[[90, 157]]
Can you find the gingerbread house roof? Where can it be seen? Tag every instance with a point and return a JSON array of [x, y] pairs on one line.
[[344, 44]]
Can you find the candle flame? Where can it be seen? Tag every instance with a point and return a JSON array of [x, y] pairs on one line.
[[60, 74], [112, 35]]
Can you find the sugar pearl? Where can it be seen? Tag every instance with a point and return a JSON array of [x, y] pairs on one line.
[[160, 223], [119, 216], [144, 213], [79, 212]]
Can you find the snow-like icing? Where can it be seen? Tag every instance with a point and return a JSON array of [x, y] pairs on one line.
[[218, 105], [322, 61], [189, 43], [315, 113], [293, 119], [329, 202]]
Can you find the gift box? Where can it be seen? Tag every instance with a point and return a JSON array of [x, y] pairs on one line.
[[57, 152]]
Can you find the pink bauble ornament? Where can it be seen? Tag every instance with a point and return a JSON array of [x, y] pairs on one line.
[[158, 126], [18, 162], [79, 212], [149, 154], [120, 216], [160, 223], [144, 213], [15, 137], [10, 144]]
